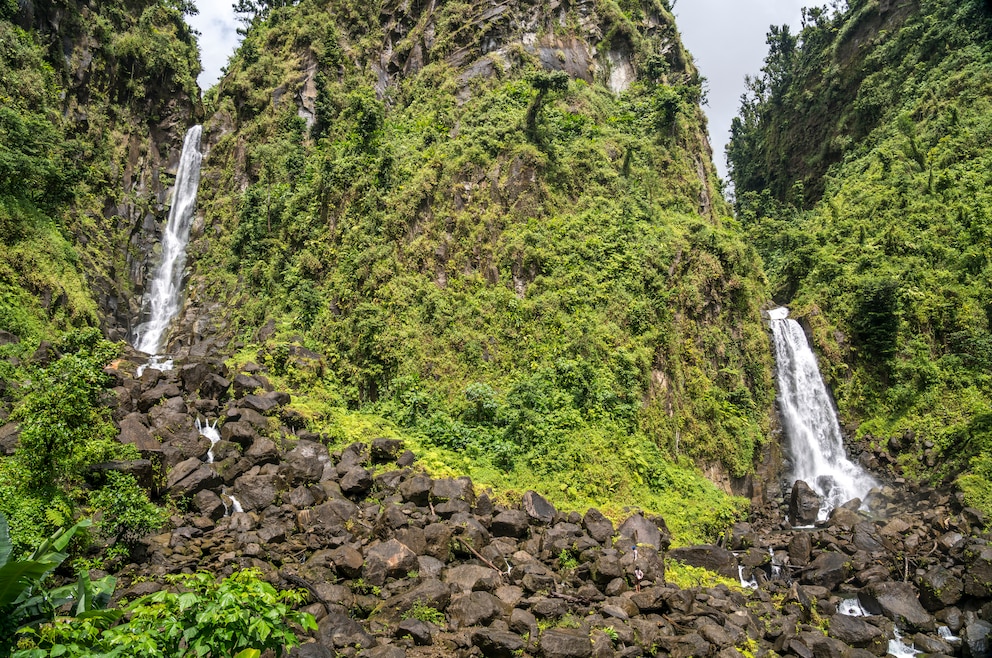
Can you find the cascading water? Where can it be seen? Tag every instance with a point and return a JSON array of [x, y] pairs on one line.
[[161, 304], [815, 440]]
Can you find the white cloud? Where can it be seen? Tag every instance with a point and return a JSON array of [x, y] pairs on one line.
[[218, 37]]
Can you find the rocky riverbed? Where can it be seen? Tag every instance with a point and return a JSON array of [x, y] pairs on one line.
[[401, 564]]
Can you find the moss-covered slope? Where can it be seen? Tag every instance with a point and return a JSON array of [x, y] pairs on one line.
[[890, 265], [499, 229]]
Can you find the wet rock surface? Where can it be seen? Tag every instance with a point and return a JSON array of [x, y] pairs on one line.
[[399, 563]]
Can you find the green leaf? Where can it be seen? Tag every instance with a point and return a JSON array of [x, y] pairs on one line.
[[248, 653], [15, 578]]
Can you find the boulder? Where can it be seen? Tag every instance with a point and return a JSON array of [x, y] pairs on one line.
[[898, 602], [978, 571], [859, 633], [709, 557], [384, 451], [646, 533], [304, 464], [539, 509], [135, 432], [447, 489], [597, 525], [356, 482], [804, 504], [829, 570], [939, 588], [474, 609], [255, 491], [976, 639], [191, 476], [511, 523], [263, 404], [565, 643], [497, 644], [418, 630], [800, 549], [390, 559], [337, 630], [469, 577]]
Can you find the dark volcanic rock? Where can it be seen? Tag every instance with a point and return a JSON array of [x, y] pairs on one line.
[[497, 644], [190, 476], [597, 525], [898, 602], [384, 451], [474, 609], [511, 523], [859, 633], [538, 508], [338, 630], [646, 532], [804, 504], [710, 557], [939, 588], [828, 570], [390, 559], [976, 639], [565, 643]]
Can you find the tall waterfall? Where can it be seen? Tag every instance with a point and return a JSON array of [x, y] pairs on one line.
[[161, 303], [815, 440]]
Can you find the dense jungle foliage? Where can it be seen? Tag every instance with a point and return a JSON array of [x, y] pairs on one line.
[[878, 237], [513, 269]]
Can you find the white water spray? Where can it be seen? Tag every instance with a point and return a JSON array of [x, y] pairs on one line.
[[211, 432], [161, 304], [815, 440]]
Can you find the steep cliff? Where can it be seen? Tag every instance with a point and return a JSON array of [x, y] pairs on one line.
[[496, 226], [890, 262]]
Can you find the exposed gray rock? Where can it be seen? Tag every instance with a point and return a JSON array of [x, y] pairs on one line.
[[497, 644], [709, 557], [474, 609], [390, 559], [647, 533], [898, 602], [538, 508], [804, 504], [565, 643]]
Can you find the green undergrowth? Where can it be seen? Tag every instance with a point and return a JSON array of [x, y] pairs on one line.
[[598, 466], [886, 257], [685, 576]]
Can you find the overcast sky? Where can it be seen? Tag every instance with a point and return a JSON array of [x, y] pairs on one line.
[[726, 37]]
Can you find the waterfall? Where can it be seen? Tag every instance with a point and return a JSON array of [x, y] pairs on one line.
[[815, 441], [161, 303]]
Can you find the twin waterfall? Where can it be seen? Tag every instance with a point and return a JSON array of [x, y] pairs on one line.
[[161, 303], [815, 440]]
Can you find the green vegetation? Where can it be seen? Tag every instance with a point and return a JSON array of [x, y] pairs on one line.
[[685, 576], [879, 237], [204, 618], [66, 429], [25, 601], [425, 613], [512, 271]]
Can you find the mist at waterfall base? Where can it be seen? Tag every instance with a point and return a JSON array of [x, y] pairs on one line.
[[161, 302], [815, 442]]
